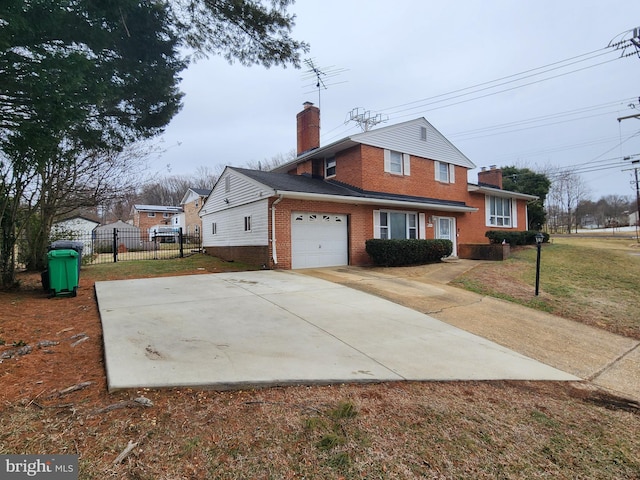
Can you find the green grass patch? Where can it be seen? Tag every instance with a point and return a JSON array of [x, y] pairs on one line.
[[595, 283], [197, 263]]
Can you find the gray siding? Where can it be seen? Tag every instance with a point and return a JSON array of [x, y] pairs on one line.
[[230, 226], [406, 138], [228, 209]]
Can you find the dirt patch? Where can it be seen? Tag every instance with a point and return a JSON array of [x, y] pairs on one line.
[[54, 400]]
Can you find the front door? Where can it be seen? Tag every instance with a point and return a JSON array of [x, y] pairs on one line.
[[446, 230]]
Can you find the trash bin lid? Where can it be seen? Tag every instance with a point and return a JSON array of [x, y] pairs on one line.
[[62, 253], [66, 245]]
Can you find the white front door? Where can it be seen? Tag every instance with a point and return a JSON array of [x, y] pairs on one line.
[[446, 230], [318, 240]]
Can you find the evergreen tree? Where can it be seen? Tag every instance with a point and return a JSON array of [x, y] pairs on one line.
[[523, 180], [85, 78]]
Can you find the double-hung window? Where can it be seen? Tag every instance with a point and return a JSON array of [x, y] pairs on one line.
[[247, 224], [500, 212], [445, 172], [395, 225], [329, 167], [397, 163]]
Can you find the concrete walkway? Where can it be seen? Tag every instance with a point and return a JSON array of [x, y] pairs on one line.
[[237, 330], [607, 360]]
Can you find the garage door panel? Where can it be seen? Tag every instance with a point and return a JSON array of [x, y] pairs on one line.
[[318, 240]]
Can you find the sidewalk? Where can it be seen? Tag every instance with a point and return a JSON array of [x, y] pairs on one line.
[[605, 359]]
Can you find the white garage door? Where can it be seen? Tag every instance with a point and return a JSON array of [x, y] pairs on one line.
[[318, 240]]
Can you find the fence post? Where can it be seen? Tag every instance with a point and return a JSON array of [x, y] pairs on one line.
[[115, 245], [181, 238]]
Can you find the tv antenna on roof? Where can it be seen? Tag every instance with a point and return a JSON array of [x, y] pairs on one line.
[[317, 76], [364, 119]]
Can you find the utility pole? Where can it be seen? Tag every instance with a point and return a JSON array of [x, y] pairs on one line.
[[635, 162], [637, 184]]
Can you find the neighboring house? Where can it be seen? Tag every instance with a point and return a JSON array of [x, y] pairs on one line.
[[192, 203], [633, 218], [146, 217], [401, 181], [127, 236], [77, 228]]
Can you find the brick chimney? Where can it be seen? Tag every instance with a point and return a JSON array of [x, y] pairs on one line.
[[308, 121], [491, 177]]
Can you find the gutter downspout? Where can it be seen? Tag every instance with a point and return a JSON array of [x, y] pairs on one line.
[[274, 253]]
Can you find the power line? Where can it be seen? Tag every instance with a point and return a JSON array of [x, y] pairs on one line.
[[551, 116], [498, 92], [494, 81], [502, 81]]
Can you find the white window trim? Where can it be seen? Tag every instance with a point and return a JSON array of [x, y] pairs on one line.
[[451, 172], [214, 228], [247, 223], [513, 207], [405, 165], [378, 227], [329, 162]]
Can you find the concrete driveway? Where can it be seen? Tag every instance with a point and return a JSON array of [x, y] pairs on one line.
[[265, 328]]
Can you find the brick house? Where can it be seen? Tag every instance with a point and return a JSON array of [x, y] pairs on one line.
[[192, 203], [146, 217], [402, 181]]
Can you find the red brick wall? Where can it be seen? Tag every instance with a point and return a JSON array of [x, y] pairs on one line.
[[491, 177], [308, 128], [363, 167], [145, 222], [360, 228], [474, 225]]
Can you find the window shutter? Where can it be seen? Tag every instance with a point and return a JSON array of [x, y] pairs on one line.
[[514, 212], [376, 222], [452, 173], [487, 210], [406, 160], [387, 161], [436, 168], [422, 231]]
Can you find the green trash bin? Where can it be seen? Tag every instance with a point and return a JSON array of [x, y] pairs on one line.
[[63, 272]]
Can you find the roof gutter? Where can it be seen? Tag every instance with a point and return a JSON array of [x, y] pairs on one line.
[[501, 193], [374, 201], [274, 252]]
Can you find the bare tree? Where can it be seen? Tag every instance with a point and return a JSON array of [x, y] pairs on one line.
[[169, 190], [614, 208], [71, 183], [566, 192], [272, 162]]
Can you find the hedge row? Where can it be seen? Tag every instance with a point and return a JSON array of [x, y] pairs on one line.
[[395, 253], [527, 237]]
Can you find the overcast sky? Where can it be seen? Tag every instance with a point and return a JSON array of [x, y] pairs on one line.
[[454, 63]]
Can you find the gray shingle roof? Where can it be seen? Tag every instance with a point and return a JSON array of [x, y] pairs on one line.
[[203, 192], [307, 184]]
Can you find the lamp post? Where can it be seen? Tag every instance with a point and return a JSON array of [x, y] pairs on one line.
[[539, 239]]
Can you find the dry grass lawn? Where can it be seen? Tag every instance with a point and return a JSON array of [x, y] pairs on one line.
[[450, 430]]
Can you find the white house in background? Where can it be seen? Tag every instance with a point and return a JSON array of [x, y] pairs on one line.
[[78, 228]]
